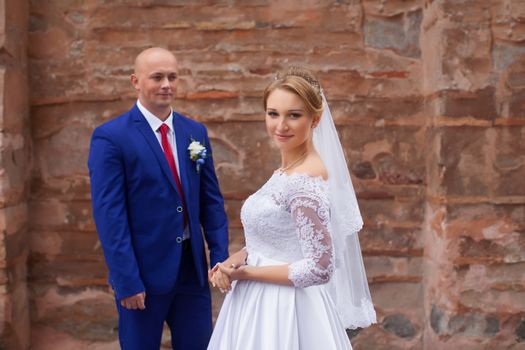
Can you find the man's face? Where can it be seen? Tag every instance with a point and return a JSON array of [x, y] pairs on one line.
[[156, 79]]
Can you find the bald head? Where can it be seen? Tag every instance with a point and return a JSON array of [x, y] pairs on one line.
[[152, 55], [155, 79]]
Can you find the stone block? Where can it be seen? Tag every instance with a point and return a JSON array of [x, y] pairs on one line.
[[61, 216], [506, 53], [234, 146], [20, 311], [399, 325], [13, 219], [65, 152], [16, 159], [515, 77], [44, 337], [340, 84], [393, 269], [509, 161], [87, 315], [470, 324], [14, 28], [233, 210], [480, 104], [71, 188], [395, 159], [461, 159], [375, 337], [403, 212], [15, 105], [397, 297], [504, 217], [69, 273], [520, 331], [516, 105], [387, 110], [50, 118], [391, 241], [236, 240], [399, 33], [66, 245], [39, 41]]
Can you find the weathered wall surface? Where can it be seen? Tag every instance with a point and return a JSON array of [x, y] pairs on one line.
[[15, 161], [429, 99], [474, 70]]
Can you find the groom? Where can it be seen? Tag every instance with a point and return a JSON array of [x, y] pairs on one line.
[[151, 197]]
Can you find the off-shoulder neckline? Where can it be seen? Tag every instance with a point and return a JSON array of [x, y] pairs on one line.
[[301, 174]]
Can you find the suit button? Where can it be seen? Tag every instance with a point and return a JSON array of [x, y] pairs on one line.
[[179, 209], [179, 239]]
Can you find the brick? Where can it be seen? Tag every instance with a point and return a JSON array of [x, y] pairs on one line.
[[390, 8]]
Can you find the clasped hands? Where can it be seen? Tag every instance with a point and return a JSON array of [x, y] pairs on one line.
[[220, 276], [223, 274]]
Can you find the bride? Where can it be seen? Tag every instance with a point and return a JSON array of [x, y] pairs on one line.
[[300, 281]]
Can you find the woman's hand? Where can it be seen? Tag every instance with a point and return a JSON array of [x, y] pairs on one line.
[[234, 272], [236, 259]]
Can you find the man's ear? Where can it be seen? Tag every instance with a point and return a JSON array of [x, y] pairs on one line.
[[134, 81]]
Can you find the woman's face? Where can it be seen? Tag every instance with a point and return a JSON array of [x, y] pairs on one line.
[[288, 121]]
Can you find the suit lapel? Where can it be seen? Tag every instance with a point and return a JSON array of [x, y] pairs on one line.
[[182, 138], [152, 141]]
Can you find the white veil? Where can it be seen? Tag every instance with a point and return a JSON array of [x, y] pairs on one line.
[[348, 286]]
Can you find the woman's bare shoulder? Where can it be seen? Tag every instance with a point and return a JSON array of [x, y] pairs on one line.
[[312, 166]]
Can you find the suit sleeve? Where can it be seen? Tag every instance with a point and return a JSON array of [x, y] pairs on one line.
[[106, 171], [212, 215]]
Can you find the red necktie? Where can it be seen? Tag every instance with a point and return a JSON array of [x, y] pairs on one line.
[[171, 161]]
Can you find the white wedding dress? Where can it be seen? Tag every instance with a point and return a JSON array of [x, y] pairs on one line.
[[287, 221]]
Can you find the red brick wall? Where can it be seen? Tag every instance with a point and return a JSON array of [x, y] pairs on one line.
[[15, 161], [429, 98]]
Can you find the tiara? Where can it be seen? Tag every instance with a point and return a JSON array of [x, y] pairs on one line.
[[301, 73]]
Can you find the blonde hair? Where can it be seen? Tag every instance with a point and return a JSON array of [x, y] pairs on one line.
[[302, 83]]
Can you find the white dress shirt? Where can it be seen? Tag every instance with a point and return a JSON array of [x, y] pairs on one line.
[[155, 123]]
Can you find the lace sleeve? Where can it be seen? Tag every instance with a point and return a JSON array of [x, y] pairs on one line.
[[310, 212]]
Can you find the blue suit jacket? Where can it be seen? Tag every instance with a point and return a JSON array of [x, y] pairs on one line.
[[137, 208]]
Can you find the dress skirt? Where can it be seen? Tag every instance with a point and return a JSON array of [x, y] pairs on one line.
[[264, 316]]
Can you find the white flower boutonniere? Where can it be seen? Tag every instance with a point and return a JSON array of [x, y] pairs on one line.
[[198, 153]]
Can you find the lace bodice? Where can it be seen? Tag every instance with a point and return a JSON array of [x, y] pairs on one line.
[[288, 220]]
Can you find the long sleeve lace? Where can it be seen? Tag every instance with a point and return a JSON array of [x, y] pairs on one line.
[[310, 212]]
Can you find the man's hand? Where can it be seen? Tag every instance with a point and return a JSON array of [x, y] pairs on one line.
[[134, 302], [219, 279]]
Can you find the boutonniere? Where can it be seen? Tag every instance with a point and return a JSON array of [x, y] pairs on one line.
[[198, 153]]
